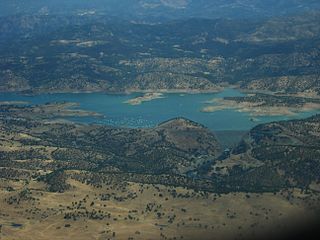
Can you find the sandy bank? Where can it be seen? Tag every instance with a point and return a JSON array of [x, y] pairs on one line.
[[259, 108]]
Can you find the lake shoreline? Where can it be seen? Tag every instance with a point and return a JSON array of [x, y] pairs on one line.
[[259, 111], [122, 92], [120, 111]]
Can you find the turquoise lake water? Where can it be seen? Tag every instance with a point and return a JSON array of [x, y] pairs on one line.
[[117, 113]]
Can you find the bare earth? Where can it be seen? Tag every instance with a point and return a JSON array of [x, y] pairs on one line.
[[153, 213], [256, 109]]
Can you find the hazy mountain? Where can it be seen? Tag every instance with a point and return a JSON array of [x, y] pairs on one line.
[[99, 53], [160, 9]]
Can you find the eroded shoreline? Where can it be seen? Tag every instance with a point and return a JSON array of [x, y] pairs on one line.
[[258, 109]]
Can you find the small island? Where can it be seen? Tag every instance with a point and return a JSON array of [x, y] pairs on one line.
[[145, 98], [14, 103]]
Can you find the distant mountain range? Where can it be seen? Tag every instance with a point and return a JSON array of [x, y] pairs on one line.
[[132, 45], [98, 53], [160, 9]]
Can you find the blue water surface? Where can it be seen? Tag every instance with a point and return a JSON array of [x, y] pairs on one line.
[[148, 114]]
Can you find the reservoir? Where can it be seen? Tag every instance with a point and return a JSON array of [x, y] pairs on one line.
[[117, 112]]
